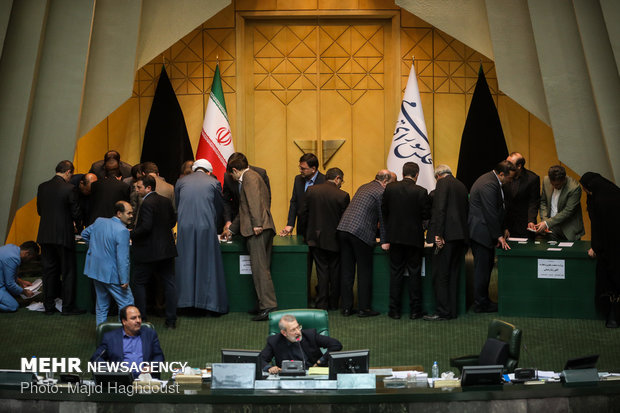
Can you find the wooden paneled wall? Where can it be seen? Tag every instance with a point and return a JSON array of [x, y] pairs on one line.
[[316, 70]]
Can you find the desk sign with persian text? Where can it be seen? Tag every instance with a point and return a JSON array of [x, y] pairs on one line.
[[245, 265], [553, 269]]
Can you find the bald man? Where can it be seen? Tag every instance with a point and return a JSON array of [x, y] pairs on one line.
[[356, 234]]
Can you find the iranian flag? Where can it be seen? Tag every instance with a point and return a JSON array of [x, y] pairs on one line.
[[216, 143]]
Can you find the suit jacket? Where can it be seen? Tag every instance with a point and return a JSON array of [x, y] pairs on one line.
[[568, 219], [230, 192], [449, 212], [364, 213], [164, 189], [323, 207], [486, 210], [522, 201], [9, 264], [107, 259], [104, 194], [297, 202], [152, 238], [253, 206], [98, 169], [404, 206], [111, 347], [58, 208], [280, 348]]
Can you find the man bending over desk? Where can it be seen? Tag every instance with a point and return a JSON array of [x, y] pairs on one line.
[[293, 343], [133, 343]]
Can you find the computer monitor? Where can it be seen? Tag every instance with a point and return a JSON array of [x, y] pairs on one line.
[[482, 375], [588, 362], [244, 356], [348, 362]]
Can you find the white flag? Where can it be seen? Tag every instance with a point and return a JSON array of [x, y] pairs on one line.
[[410, 141]]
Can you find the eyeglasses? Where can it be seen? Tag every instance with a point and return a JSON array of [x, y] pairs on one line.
[[299, 327]]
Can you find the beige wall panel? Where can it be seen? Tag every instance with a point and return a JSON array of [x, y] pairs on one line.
[[124, 132], [255, 4], [193, 113], [377, 4], [338, 4], [515, 124], [297, 4], [369, 151], [450, 118], [272, 152], [543, 153], [301, 123], [25, 224], [145, 109], [91, 147], [225, 18], [336, 118]]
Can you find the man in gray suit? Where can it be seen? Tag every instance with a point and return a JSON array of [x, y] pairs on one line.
[[486, 232], [560, 206], [255, 223]]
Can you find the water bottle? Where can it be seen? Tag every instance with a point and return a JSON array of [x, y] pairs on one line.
[[435, 371]]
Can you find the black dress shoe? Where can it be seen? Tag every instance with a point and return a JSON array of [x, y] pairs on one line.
[[435, 317], [415, 316], [347, 312], [367, 313], [172, 325], [254, 311], [263, 315], [51, 312], [394, 315], [73, 311]]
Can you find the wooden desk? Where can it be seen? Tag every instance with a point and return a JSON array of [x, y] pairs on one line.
[[522, 291]]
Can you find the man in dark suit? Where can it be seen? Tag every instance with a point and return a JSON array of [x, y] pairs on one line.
[[58, 208], [255, 223], [293, 343], [107, 192], [324, 205], [522, 199], [153, 247], [486, 231], [405, 205], [448, 231], [230, 191], [356, 235], [132, 344], [308, 175], [98, 168]]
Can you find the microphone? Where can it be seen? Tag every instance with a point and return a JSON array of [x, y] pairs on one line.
[[301, 350], [100, 355]]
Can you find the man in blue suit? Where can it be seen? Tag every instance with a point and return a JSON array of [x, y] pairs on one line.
[[132, 343], [11, 257], [107, 259]]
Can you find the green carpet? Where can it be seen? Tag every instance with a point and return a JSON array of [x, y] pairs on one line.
[[198, 340]]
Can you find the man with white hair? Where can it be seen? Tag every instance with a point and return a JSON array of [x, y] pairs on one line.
[[199, 267], [293, 343]]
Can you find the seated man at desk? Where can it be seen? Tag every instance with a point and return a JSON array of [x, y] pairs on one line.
[[293, 343], [132, 343]]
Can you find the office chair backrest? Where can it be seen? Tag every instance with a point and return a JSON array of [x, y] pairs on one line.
[[109, 326], [507, 333], [307, 317]]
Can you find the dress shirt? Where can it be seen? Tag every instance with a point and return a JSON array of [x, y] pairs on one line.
[[132, 350], [310, 181], [554, 202]]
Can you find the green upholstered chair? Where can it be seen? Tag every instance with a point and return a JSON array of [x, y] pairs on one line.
[[307, 317], [109, 326], [503, 332]]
